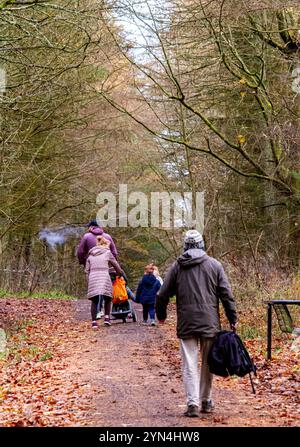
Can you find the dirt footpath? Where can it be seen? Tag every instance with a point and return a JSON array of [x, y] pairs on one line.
[[133, 381], [59, 372], [135, 371]]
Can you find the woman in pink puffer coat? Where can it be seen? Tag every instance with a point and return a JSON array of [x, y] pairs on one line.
[[99, 283]]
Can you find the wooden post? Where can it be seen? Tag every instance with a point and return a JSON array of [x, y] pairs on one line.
[[269, 335]]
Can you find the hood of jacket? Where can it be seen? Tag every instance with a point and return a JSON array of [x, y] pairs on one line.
[[96, 251], [97, 231], [192, 257]]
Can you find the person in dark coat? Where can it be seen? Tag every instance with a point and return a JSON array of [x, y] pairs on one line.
[[199, 283], [146, 294]]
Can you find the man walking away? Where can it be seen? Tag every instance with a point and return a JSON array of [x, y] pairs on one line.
[[199, 282]]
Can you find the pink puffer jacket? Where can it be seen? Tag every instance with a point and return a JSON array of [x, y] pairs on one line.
[[97, 269]]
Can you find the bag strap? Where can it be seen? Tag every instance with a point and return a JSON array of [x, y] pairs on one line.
[[253, 389]]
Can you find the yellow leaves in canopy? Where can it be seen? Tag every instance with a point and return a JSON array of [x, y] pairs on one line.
[[243, 82], [241, 139]]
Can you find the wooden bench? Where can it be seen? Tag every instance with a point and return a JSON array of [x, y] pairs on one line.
[[284, 318]]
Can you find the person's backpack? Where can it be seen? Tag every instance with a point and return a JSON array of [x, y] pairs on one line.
[[228, 356], [119, 294]]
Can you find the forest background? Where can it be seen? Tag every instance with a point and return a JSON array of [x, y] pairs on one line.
[[160, 96]]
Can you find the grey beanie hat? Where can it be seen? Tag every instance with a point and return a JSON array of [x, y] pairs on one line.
[[193, 239]]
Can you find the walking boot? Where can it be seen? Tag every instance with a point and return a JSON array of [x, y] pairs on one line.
[[192, 411]]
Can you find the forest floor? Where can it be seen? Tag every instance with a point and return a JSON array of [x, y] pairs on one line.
[[57, 371]]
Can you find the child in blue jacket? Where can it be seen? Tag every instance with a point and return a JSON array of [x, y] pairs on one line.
[[146, 294]]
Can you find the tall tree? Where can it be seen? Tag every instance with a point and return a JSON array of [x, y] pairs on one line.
[[233, 85]]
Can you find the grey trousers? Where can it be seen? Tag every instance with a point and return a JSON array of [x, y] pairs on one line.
[[198, 386]]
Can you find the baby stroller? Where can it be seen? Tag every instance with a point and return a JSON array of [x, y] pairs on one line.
[[124, 309]]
